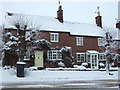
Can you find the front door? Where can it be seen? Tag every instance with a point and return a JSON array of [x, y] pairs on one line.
[[94, 61], [39, 59]]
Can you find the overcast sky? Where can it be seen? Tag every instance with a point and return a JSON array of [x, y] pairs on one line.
[[74, 10]]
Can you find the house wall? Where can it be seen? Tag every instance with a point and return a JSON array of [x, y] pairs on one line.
[[65, 39]]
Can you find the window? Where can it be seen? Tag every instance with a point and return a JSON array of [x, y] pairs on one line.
[[102, 57], [118, 44], [54, 37], [100, 41], [79, 41], [80, 57], [54, 55], [27, 55], [88, 57]]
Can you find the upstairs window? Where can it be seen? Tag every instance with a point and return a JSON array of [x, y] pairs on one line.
[[79, 41], [54, 37], [100, 41]]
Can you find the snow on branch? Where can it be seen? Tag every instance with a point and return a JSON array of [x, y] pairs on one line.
[[110, 45], [20, 21]]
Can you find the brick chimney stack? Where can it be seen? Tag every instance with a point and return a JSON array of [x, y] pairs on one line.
[[118, 25], [60, 14], [98, 19], [118, 20]]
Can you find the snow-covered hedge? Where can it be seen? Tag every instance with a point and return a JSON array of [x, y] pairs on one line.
[[61, 64], [33, 68], [102, 65], [85, 64], [80, 67]]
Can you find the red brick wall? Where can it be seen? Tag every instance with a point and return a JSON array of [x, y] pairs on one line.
[[65, 39]]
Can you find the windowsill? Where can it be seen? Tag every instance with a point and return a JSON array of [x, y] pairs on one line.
[[54, 41], [99, 45], [79, 45], [26, 59], [81, 61]]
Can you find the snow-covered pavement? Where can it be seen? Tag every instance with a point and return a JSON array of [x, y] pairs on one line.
[[46, 78]]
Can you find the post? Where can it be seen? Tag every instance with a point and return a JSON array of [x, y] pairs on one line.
[[107, 65]]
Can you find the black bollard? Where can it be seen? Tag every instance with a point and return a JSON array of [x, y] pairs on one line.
[[20, 69]]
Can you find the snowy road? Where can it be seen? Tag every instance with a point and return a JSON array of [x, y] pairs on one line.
[[63, 79], [67, 84]]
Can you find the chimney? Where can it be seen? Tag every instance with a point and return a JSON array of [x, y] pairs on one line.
[[118, 25], [60, 14], [118, 20], [98, 19]]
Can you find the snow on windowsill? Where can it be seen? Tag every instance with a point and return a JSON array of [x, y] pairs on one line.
[[26, 59]]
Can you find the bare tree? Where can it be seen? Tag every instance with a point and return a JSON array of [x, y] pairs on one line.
[[21, 23], [110, 45], [28, 34], [1, 30]]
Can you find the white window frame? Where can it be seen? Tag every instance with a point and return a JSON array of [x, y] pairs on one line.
[[56, 53], [80, 57], [27, 55], [118, 44], [54, 37], [100, 41], [79, 41], [101, 57]]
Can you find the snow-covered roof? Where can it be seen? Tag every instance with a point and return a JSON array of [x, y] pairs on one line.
[[76, 28], [52, 24]]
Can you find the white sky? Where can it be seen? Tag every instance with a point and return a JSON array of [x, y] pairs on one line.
[[74, 10]]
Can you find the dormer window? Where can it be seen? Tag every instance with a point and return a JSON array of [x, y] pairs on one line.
[[54, 37]]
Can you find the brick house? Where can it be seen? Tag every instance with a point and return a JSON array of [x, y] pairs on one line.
[[85, 40], [118, 26]]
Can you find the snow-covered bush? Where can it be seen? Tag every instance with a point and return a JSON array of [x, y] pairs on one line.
[[43, 44], [6, 67], [85, 64], [80, 67], [112, 64], [75, 66], [33, 68], [67, 56], [61, 64], [110, 45], [101, 65]]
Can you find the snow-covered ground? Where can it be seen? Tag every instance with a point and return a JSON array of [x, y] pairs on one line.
[[46, 78]]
